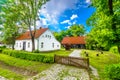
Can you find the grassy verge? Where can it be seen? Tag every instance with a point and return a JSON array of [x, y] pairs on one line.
[[32, 66], [101, 61], [29, 65], [61, 52], [10, 75], [19, 63]]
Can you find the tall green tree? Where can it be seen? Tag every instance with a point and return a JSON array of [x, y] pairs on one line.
[[74, 30], [29, 10], [22, 12], [9, 19], [105, 23]]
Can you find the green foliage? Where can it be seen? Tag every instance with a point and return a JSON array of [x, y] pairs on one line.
[[114, 49], [74, 30], [29, 56], [105, 24], [36, 51], [2, 47], [113, 71]]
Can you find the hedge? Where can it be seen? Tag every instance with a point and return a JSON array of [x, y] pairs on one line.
[[113, 71], [1, 48], [29, 56]]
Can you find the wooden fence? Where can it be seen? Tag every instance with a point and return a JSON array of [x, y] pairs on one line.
[[74, 61]]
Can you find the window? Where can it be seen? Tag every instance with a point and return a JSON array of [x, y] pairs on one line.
[[53, 45], [46, 35], [16, 44], [50, 37], [28, 44], [20, 45], [41, 44]]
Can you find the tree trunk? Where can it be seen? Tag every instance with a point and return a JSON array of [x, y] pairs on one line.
[[110, 7], [118, 49], [110, 3], [12, 46], [33, 43]]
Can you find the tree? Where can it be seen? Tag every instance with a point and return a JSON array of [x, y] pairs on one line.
[[74, 30], [22, 12], [29, 10], [105, 22], [9, 18]]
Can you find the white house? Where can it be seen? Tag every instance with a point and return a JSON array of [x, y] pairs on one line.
[[44, 41]]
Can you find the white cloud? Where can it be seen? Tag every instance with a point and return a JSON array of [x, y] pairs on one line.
[[68, 27], [73, 16], [74, 22], [53, 9], [88, 1], [66, 22]]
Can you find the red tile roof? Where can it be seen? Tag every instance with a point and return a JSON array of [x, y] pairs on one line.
[[73, 40], [26, 35]]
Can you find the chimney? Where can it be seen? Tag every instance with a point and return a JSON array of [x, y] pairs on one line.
[[40, 28]]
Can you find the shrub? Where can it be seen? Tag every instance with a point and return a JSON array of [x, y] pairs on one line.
[[113, 71], [30, 56], [114, 49], [36, 51], [1, 48]]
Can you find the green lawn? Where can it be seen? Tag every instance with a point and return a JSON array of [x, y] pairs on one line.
[[22, 64], [61, 52], [32, 66], [99, 62]]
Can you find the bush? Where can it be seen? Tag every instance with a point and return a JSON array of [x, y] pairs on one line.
[[1, 48], [113, 72], [114, 49], [30, 56], [36, 51]]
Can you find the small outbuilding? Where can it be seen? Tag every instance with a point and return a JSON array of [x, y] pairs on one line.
[[74, 42]]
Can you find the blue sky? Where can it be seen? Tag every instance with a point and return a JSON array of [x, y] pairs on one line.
[[61, 14]]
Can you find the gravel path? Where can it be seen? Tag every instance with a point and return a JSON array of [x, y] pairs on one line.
[[2, 78], [62, 72], [76, 53]]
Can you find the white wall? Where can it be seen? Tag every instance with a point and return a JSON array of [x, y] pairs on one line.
[[19, 45], [47, 43]]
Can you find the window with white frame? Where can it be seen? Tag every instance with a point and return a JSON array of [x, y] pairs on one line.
[[42, 44], [28, 44], [53, 45], [20, 45]]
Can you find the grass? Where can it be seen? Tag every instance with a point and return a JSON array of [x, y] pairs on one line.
[[26, 64], [61, 52], [101, 61], [10, 75], [20, 63]]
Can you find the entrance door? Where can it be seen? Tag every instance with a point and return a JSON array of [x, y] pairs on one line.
[[24, 45]]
